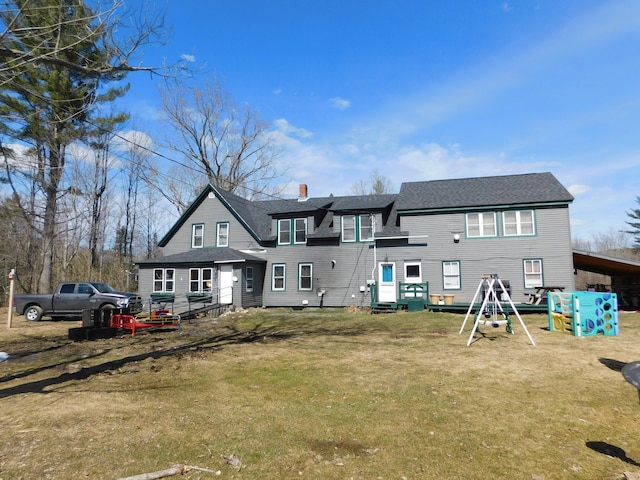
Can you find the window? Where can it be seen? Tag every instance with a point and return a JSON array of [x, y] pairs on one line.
[[413, 276], [348, 228], [451, 275], [519, 222], [296, 225], [305, 276], [532, 273], [164, 279], [197, 236], [222, 234], [412, 272], [68, 288], [248, 276], [278, 277], [284, 232], [300, 230], [200, 279], [481, 224], [366, 228], [357, 228]]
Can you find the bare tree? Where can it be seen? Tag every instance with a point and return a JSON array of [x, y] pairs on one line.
[[105, 25], [220, 142], [376, 184], [58, 56]]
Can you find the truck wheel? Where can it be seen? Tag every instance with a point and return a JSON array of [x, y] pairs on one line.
[[33, 313]]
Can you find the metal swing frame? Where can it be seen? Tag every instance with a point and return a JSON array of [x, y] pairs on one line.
[[489, 282]]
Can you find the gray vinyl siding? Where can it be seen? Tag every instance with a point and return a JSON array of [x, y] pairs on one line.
[[353, 267], [500, 255], [210, 212], [254, 298]]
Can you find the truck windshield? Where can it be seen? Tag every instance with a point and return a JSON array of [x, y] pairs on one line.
[[104, 288]]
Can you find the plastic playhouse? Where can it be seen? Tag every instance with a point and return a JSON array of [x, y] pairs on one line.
[[583, 314]]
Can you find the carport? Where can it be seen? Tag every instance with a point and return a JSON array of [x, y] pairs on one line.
[[625, 275]]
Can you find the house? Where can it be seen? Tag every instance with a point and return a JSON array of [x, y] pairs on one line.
[[340, 251]]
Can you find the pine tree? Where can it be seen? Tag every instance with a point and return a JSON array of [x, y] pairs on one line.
[[47, 105], [634, 214]]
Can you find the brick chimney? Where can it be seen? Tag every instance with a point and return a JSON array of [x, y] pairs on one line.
[[303, 192]]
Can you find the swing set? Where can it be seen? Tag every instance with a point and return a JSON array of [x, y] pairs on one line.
[[491, 311]]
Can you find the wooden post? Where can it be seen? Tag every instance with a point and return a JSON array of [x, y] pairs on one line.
[[10, 314]]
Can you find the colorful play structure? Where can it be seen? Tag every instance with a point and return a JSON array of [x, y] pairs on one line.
[[583, 314]]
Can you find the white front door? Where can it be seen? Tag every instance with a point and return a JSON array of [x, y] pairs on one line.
[[387, 282], [225, 282]]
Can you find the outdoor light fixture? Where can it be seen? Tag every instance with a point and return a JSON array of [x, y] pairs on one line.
[[456, 237]]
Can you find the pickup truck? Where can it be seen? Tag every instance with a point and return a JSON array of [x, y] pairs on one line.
[[71, 298]]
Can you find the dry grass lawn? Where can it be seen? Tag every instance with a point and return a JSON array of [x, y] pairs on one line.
[[318, 394]]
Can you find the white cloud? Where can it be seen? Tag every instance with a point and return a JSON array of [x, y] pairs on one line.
[[506, 6], [188, 57], [340, 103], [577, 190], [129, 139], [285, 127]]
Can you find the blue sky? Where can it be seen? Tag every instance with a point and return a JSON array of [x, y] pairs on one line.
[[429, 89]]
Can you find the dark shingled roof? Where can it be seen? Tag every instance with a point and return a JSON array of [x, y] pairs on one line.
[[428, 196], [531, 188], [203, 255]]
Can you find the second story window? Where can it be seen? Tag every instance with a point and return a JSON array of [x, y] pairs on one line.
[[300, 225], [197, 235], [519, 222], [292, 230], [366, 228], [348, 228], [481, 224], [222, 235], [284, 232], [357, 228]]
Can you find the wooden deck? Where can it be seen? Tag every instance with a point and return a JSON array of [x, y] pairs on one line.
[[460, 307]]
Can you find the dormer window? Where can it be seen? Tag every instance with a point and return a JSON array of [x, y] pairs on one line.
[[292, 231], [357, 228]]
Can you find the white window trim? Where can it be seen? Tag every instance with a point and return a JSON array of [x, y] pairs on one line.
[[164, 280], [218, 242], [288, 223], [446, 285], [194, 236], [519, 224], [533, 261], [294, 223], [342, 228], [284, 277], [200, 280], [310, 265], [361, 237], [481, 225]]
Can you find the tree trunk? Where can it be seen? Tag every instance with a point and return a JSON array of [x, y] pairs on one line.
[[52, 185]]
